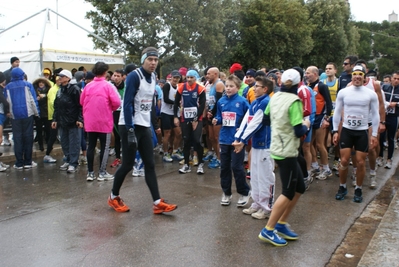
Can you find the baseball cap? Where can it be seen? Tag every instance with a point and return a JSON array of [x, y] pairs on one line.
[[291, 75], [175, 73], [64, 73]]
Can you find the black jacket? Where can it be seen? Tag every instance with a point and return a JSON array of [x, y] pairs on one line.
[[67, 108]]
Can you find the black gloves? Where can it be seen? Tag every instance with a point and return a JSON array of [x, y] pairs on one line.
[[131, 137]]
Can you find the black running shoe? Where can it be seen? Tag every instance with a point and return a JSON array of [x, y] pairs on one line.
[[358, 196], [342, 191]]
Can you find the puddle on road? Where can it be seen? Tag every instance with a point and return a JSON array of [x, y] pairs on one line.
[[359, 235]]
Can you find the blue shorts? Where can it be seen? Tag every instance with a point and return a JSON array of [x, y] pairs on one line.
[[308, 137], [318, 121], [2, 119]]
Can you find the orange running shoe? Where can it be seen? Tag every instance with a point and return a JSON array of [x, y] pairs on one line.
[[163, 207], [116, 163], [117, 204]]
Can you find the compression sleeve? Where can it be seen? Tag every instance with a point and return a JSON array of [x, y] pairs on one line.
[[375, 119], [338, 110]]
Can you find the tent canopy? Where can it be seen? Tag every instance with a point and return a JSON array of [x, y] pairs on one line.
[[48, 47]]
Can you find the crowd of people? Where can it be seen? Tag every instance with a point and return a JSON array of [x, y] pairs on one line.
[[246, 124]]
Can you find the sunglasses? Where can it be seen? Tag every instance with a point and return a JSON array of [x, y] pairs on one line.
[[345, 63], [358, 73]]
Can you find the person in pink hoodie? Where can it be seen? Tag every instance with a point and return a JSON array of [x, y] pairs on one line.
[[99, 99]]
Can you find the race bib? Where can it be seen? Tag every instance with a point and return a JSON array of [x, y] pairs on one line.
[[229, 119], [355, 121], [190, 113], [145, 105]]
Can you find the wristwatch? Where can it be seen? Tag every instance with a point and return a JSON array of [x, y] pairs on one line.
[[131, 130], [382, 122]]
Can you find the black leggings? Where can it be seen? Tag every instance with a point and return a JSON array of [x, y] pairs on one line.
[[390, 132], [104, 143], [117, 137], [192, 137], [145, 148], [291, 177]]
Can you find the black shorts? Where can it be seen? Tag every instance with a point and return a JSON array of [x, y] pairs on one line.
[[359, 139], [167, 122], [318, 121]]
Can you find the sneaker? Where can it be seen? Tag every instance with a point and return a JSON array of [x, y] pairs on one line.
[[358, 196], [185, 169], [90, 176], [83, 160], [163, 207], [161, 150], [208, 156], [226, 200], [380, 161], [105, 176], [116, 163], [117, 204], [2, 169], [195, 161], [249, 211], [4, 165], [111, 152], [315, 172], [285, 232], [342, 191], [388, 165], [181, 162], [373, 181], [30, 166], [200, 169], [64, 166], [243, 200], [350, 161], [138, 173], [260, 214], [353, 179], [324, 175], [49, 159], [6, 142], [177, 155], [17, 167], [335, 165], [308, 181], [272, 237], [71, 169], [167, 157], [214, 164]]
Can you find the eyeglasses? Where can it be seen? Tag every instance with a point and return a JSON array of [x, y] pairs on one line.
[[358, 73], [345, 63], [259, 86]]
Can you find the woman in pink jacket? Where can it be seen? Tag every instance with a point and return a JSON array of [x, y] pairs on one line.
[[99, 99]]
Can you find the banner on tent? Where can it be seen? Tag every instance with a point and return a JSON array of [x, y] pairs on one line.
[[81, 58]]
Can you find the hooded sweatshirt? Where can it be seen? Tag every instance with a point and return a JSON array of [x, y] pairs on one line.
[[21, 96]]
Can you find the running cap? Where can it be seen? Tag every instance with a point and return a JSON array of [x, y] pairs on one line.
[[235, 67], [291, 75], [175, 73], [359, 68], [193, 73], [65, 73], [149, 52]]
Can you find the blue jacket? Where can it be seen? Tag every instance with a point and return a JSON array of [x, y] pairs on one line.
[[21, 96], [253, 125], [237, 106]]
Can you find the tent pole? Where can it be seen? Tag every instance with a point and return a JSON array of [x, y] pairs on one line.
[[91, 33], [22, 21], [41, 57]]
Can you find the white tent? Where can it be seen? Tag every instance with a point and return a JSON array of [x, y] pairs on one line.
[[39, 44]]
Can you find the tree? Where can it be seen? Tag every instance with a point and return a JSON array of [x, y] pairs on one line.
[[330, 36], [273, 33], [386, 46], [191, 27]]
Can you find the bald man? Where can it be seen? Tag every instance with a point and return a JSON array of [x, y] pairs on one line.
[[215, 93], [321, 122]]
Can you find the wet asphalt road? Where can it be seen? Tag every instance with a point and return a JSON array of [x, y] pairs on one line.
[[51, 218]]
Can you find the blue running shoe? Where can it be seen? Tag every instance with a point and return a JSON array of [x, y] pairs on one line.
[[272, 237], [285, 232], [208, 156], [358, 196], [342, 191], [214, 164]]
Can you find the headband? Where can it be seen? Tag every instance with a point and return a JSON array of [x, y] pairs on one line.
[[149, 54]]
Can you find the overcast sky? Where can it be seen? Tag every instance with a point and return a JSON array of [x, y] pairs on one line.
[[14, 11]]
